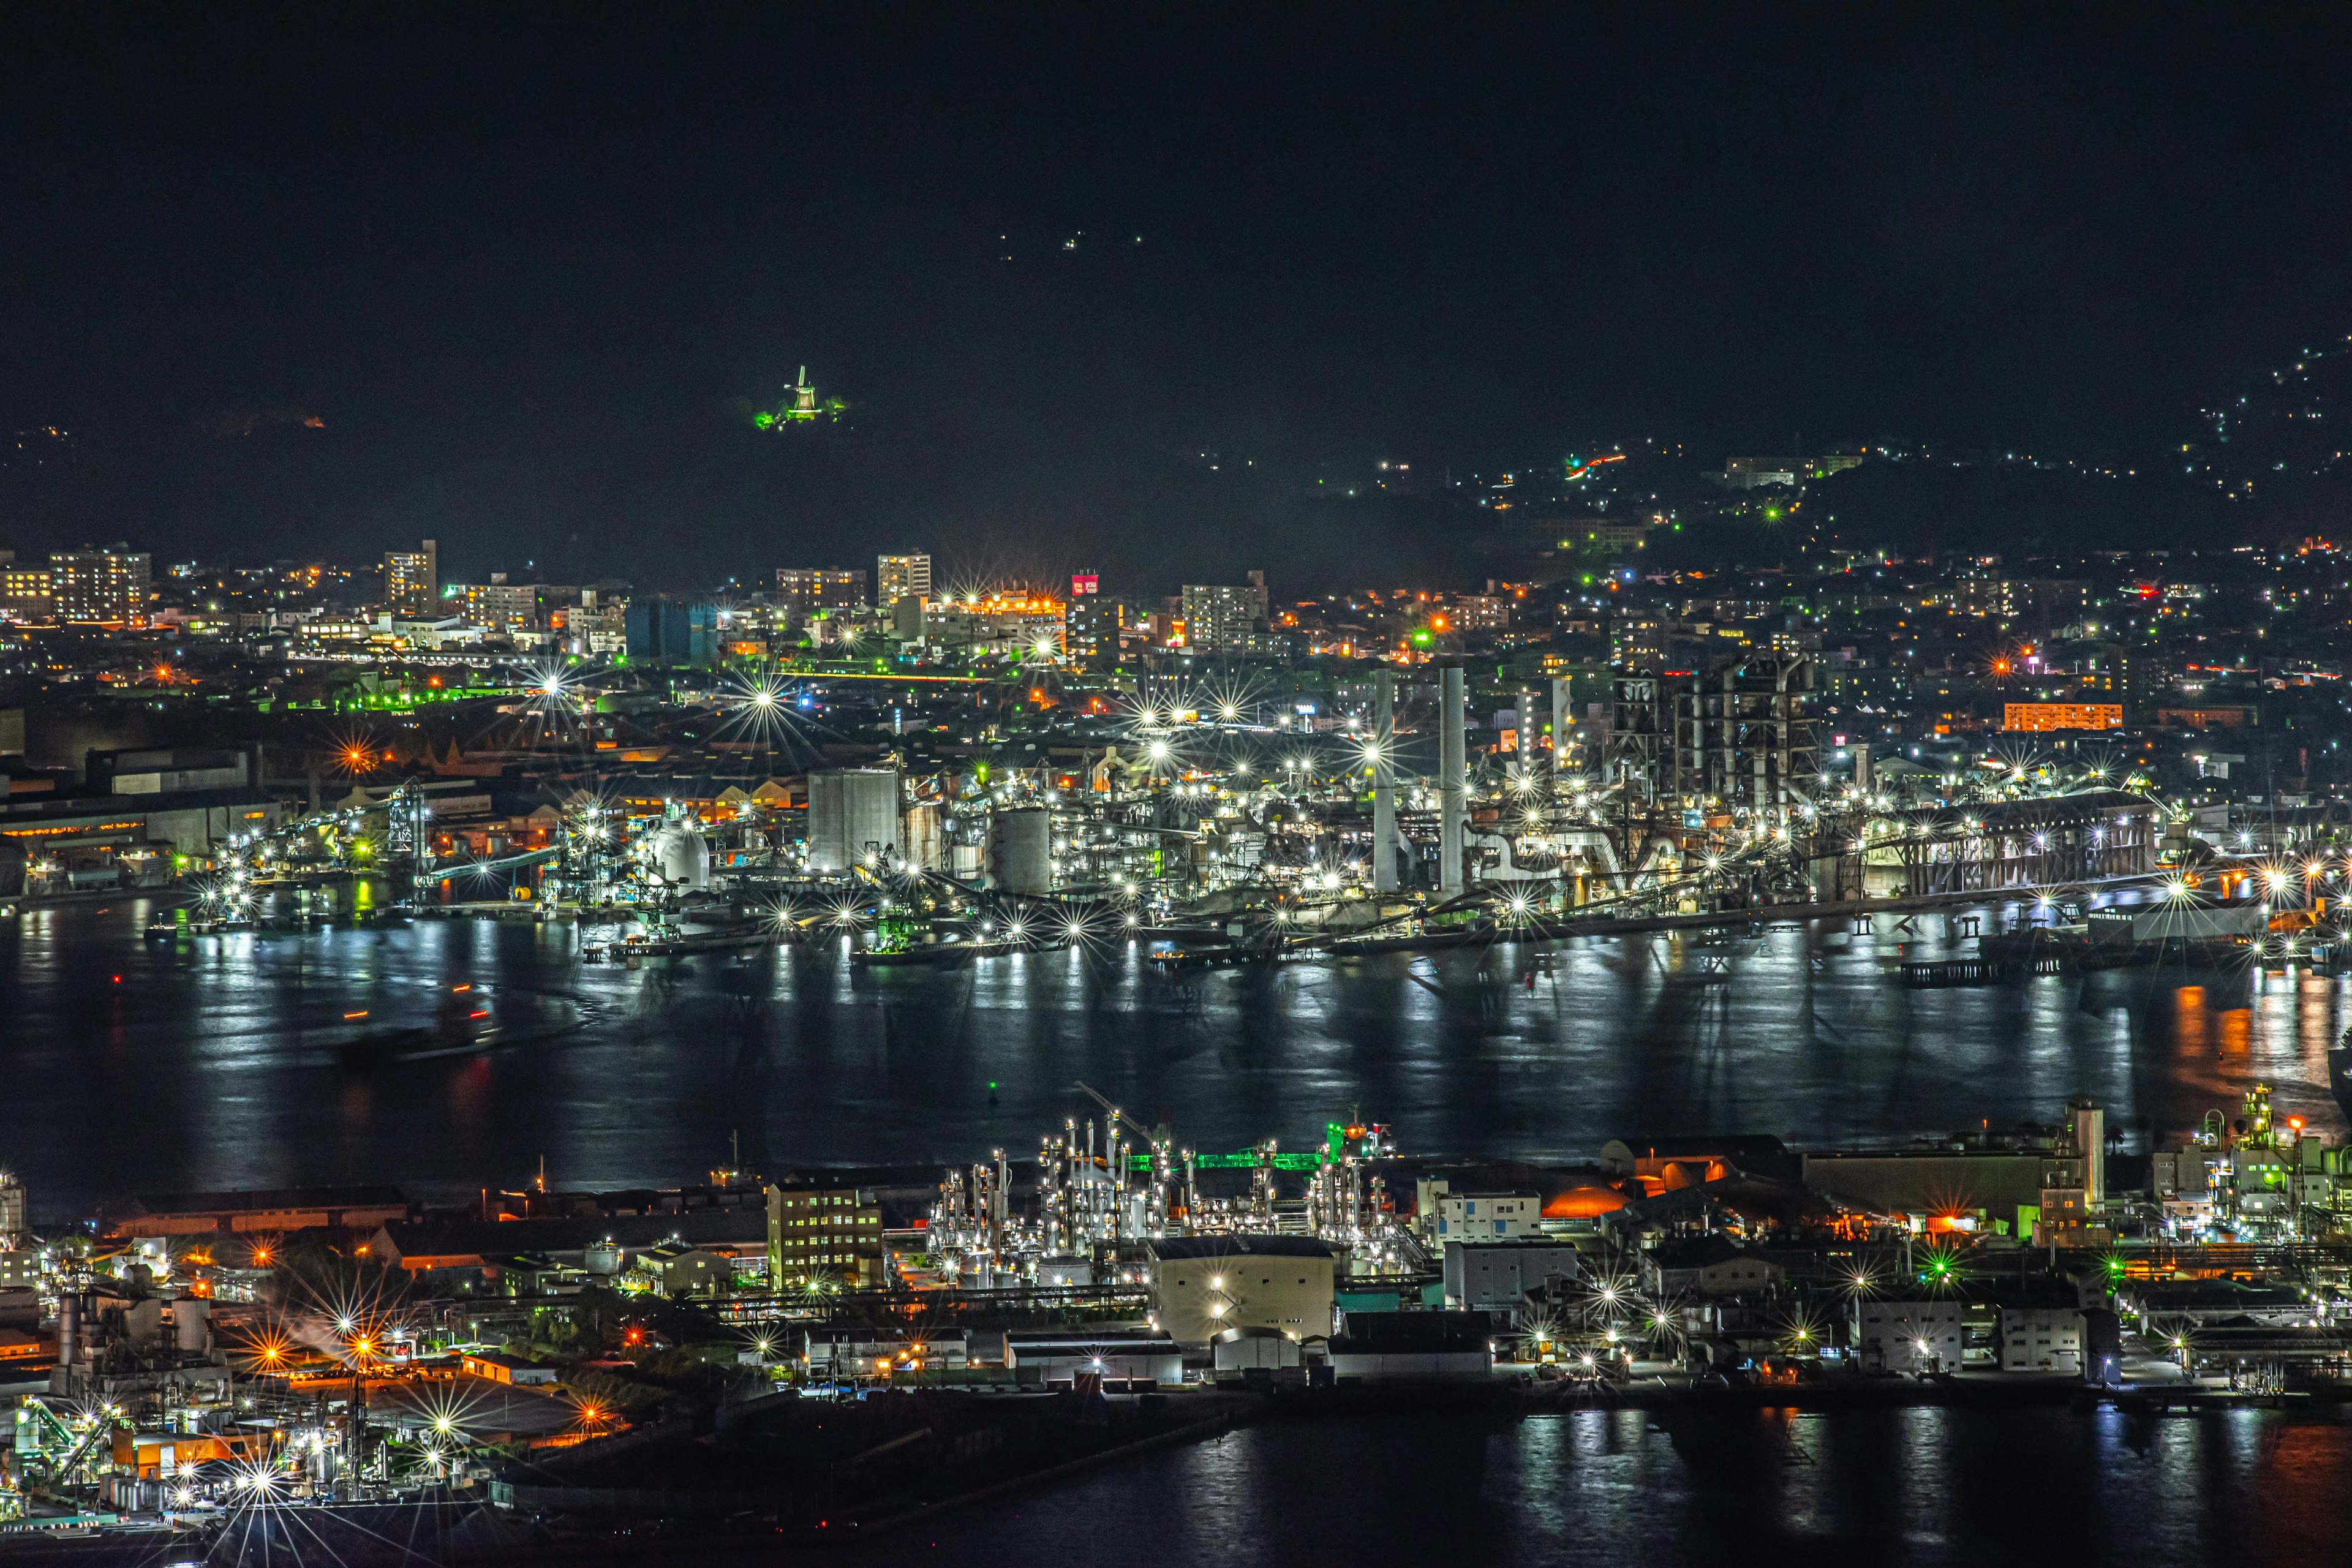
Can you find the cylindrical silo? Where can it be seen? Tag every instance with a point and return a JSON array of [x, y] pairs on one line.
[[192, 1322], [852, 818], [1021, 850]]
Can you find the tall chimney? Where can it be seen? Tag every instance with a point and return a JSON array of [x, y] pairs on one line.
[[68, 1328], [1384, 830], [1559, 727], [1454, 768]]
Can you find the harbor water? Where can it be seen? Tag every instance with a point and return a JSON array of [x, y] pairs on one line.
[[453, 1053], [1883, 1487]]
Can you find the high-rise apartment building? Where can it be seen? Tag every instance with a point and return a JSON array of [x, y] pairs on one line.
[[1218, 616], [101, 587], [412, 580], [503, 607], [803, 591], [24, 589], [898, 577], [1091, 625]]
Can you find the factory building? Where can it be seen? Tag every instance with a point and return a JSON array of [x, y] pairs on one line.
[[1741, 733], [1712, 1265], [1911, 1337], [1204, 1285], [1497, 1276], [1744, 733], [1487, 1216], [275, 1209], [1412, 1347], [2083, 838], [2042, 1338]]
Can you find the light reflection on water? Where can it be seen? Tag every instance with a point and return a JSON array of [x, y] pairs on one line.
[[213, 1062], [1877, 1486]]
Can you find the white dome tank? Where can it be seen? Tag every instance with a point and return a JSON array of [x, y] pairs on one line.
[[680, 857]]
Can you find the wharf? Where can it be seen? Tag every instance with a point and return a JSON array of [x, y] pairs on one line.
[[1761, 916]]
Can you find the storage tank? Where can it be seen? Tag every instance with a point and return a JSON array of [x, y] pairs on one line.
[[1021, 850], [680, 855], [923, 838], [852, 813], [603, 1259]]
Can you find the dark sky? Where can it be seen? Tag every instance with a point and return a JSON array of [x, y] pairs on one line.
[[525, 265]]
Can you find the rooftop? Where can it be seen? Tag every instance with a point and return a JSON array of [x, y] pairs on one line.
[[1168, 1249]]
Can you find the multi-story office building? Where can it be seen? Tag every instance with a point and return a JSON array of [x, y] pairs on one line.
[[101, 587], [803, 591], [824, 1234], [898, 577], [1218, 616], [412, 580]]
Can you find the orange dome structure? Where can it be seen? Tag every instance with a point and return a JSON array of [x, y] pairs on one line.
[[1583, 1202]]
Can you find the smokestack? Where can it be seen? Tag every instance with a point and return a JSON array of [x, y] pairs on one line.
[[1384, 832], [1454, 768], [68, 1328], [1558, 726]]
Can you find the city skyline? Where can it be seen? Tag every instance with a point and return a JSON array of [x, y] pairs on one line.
[[1489, 785]]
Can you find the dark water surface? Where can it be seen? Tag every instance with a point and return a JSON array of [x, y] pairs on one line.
[[1883, 1487], [227, 1061]]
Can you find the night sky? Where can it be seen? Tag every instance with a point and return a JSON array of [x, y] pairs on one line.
[[528, 271]]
